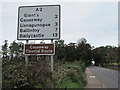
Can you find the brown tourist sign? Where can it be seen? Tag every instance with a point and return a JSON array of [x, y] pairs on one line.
[[40, 49]]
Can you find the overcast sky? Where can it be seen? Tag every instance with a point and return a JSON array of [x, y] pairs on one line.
[[95, 21]]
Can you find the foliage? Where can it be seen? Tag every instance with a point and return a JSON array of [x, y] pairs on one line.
[[16, 48], [70, 64], [69, 75], [4, 48], [118, 53], [37, 74], [72, 52], [105, 55], [17, 75], [84, 51], [70, 84], [13, 74]]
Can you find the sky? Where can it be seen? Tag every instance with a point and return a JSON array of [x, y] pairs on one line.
[[97, 22]]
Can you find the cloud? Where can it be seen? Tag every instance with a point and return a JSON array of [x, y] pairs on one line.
[[97, 21]]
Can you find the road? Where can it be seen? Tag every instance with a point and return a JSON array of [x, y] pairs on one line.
[[108, 77]]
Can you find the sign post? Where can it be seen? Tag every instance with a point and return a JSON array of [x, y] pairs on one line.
[[26, 57], [52, 61], [39, 23]]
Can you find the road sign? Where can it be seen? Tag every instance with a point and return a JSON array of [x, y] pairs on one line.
[[38, 22], [40, 49]]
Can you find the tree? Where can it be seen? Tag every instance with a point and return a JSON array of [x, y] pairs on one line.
[[4, 48], [70, 52], [96, 56], [16, 48], [84, 51], [60, 50], [118, 57], [65, 52], [105, 55]]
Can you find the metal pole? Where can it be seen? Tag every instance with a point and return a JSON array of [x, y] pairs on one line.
[[52, 69], [52, 61], [26, 57]]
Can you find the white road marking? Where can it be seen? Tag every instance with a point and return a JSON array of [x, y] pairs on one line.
[[92, 76]]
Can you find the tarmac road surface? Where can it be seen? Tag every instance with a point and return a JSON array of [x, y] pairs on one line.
[[108, 77]]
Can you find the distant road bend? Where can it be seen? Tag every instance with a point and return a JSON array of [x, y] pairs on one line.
[[108, 77]]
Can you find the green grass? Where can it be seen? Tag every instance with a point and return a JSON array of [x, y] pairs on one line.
[[70, 75], [38, 86], [115, 64], [70, 84]]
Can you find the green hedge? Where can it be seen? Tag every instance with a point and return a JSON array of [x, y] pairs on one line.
[[16, 74], [37, 74], [70, 75]]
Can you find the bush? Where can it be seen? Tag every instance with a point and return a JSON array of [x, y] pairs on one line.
[[13, 74], [70, 84], [37, 74], [71, 73], [16, 74]]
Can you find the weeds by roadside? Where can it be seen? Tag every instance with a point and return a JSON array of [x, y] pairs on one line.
[[37, 74]]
